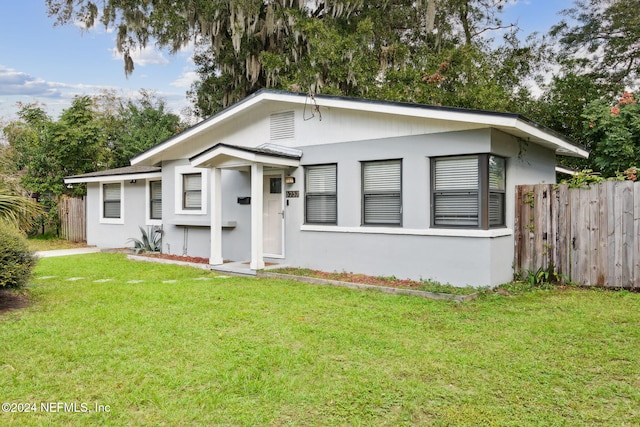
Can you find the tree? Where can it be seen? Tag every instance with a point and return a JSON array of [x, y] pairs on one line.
[[49, 150], [139, 125], [562, 106], [344, 47], [615, 131], [605, 41]]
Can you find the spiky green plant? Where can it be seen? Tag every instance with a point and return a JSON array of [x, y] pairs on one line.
[[151, 240], [18, 210]]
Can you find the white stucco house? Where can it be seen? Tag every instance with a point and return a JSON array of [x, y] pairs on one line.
[[334, 183]]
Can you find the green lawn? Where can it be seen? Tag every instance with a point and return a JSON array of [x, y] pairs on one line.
[[49, 243], [186, 347]]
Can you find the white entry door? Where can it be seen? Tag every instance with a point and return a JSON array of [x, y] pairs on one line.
[[273, 215]]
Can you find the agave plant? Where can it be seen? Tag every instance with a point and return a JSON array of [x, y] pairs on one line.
[[151, 240]]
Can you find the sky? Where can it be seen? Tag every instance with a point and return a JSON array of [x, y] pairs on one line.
[[48, 64]]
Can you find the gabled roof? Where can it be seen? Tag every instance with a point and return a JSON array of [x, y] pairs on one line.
[[234, 156], [128, 172], [511, 123]]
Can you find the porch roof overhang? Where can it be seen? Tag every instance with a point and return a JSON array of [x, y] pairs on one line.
[[227, 156]]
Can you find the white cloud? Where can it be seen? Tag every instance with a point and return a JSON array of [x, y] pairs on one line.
[[14, 82], [185, 79], [145, 56], [17, 86]]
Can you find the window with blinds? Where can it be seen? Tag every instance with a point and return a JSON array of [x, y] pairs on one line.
[[192, 191], [321, 205], [497, 181], [155, 200], [382, 192], [468, 191], [111, 199], [456, 191]]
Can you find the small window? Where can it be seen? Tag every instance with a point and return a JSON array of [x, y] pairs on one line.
[[192, 191], [155, 200], [111, 200], [468, 191], [321, 194], [275, 185], [382, 192]]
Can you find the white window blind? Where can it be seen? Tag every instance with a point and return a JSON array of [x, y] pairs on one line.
[[382, 192], [497, 178], [192, 191], [321, 194], [456, 174], [469, 191], [155, 211], [111, 200], [456, 191]]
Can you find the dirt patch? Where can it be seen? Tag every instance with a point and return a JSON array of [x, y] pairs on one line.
[[12, 300]]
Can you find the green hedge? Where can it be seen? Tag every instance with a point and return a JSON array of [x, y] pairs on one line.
[[16, 260]]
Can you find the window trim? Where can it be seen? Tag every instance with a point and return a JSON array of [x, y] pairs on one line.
[[180, 172], [306, 194], [363, 221], [103, 219], [483, 192], [149, 201]]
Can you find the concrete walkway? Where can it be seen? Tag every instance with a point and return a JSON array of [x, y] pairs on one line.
[[65, 252]]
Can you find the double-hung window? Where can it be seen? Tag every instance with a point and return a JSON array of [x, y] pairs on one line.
[[155, 200], [382, 192], [112, 200], [192, 191], [468, 191], [321, 205]]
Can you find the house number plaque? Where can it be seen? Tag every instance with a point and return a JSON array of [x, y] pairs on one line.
[[293, 194]]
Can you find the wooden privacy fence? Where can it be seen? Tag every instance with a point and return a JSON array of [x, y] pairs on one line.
[[72, 219], [590, 236]]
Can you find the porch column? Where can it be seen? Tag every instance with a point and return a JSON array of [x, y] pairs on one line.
[[257, 260], [216, 217]]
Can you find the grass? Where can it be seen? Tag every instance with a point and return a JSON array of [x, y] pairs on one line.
[[386, 281], [186, 347], [48, 242]]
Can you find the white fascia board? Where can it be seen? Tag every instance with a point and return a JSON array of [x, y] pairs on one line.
[[561, 145], [489, 119], [244, 156], [108, 178], [197, 129], [474, 117]]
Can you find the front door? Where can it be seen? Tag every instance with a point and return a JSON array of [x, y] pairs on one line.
[[273, 216]]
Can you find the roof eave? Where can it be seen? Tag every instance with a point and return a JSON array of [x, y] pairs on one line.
[[112, 178]]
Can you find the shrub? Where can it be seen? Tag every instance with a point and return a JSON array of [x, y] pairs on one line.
[[151, 240], [16, 259]]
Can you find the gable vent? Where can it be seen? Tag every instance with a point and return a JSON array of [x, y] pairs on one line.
[[282, 125]]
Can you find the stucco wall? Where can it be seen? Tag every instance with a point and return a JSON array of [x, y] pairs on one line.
[[473, 258], [116, 235], [459, 260]]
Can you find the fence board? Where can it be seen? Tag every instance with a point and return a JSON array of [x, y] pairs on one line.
[[591, 236], [593, 263], [636, 233], [627, 234], [72, 218]]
